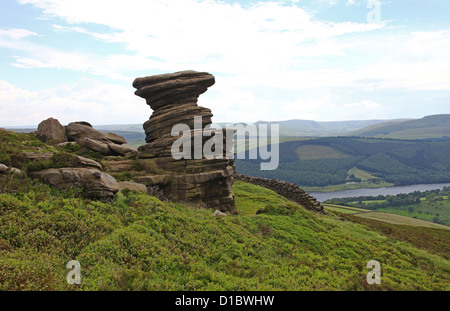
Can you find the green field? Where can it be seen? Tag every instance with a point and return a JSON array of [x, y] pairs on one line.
[[385, 217], [425, 210], [347, 186]]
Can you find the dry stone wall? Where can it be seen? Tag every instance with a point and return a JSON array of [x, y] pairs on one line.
[[286, 189]]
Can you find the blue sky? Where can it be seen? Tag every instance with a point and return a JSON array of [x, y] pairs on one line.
[[324, 60]]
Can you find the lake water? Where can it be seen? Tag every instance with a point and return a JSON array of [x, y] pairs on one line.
[[323, 196]]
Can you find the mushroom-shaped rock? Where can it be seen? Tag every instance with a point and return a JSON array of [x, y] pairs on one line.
[[203, 181]]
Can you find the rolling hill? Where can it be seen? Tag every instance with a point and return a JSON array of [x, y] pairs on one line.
[[435, 126], [311, 128], [321, 162]]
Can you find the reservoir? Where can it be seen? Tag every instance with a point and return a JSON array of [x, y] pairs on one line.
[[323, 196]]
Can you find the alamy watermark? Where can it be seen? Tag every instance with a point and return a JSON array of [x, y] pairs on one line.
[[74, 276], [258, 141], [374, 276], [374, 15]]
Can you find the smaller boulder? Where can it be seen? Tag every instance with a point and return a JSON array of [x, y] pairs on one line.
[[76, 131], [117, 139], [96, 184], [123, 149], [51, 131], [86, 162], [15, 171], [219, 213], [96, 145], [3, 168]]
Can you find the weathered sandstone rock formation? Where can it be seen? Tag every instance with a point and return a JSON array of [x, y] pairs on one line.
[[51, 131], [173, 98], [82, 132], [105, 143], [95, 184]]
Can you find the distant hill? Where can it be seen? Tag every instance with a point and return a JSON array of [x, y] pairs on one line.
[[320, 129], [321, 162], [435, 126]]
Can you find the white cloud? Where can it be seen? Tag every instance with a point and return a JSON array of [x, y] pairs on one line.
[[14, 33], [186, 33], [87, 100], [250, 49]]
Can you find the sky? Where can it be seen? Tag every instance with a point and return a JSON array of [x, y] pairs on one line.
[[323, 60]]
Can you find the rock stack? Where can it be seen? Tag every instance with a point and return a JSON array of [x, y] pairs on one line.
[[197, 179]]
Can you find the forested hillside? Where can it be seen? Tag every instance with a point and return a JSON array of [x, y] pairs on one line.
[[328, 161]]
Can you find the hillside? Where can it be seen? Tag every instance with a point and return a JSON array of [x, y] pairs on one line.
[[311, 128], [435, 126], [137, 242], [357, 162]]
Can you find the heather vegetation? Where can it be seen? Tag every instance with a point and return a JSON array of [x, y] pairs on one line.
[[137, 242]]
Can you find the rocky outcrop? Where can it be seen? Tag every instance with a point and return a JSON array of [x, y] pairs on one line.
[[105, 143], [82, 132], [51, 131], [203, 181], [95, 184], [286, 189], [75, 160]]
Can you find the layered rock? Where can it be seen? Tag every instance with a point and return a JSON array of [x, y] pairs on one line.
[[105, 143], [203, 180], [95, 184], [82, 132]]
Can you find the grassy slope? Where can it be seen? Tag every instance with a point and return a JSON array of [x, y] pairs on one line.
[[137, 242], [384, 216], [425, 210]]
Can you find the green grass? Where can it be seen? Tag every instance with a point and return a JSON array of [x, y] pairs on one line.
[[363, 175], [433, 240], [425, 210], [384, 217], [344, 209], [137, 242], [431, 210], [250, 198], [350, 186]]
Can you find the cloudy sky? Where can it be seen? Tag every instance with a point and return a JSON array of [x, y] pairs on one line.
[[320, 60]]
